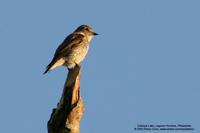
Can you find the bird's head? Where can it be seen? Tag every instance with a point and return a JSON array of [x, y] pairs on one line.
[[87, 30]]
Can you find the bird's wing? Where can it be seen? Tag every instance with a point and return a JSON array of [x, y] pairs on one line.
[[73, 40], [69, 42]]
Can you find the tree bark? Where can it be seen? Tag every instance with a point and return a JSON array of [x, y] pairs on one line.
[[66, 117]]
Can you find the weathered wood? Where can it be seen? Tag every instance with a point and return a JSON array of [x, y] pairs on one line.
[[66, 117]]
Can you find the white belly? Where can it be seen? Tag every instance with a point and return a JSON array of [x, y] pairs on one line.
[[76, 57]]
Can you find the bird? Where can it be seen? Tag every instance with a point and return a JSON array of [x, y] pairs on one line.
[[73, 49]]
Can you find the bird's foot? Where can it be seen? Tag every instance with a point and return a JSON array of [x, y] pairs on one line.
[[77, 65]]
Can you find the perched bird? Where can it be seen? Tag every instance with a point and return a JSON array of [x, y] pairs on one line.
[[73, 49]]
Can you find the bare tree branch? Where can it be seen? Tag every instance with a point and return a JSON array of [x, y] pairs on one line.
[[66, 117]]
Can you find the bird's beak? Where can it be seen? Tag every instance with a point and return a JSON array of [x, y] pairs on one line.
[[95, 34]]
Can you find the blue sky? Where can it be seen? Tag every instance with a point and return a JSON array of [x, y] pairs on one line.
[[143, 68]]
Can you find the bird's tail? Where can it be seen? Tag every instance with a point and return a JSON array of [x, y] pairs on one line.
[[50, 66]]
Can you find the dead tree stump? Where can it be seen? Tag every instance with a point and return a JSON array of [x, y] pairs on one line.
[[66, 117]]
